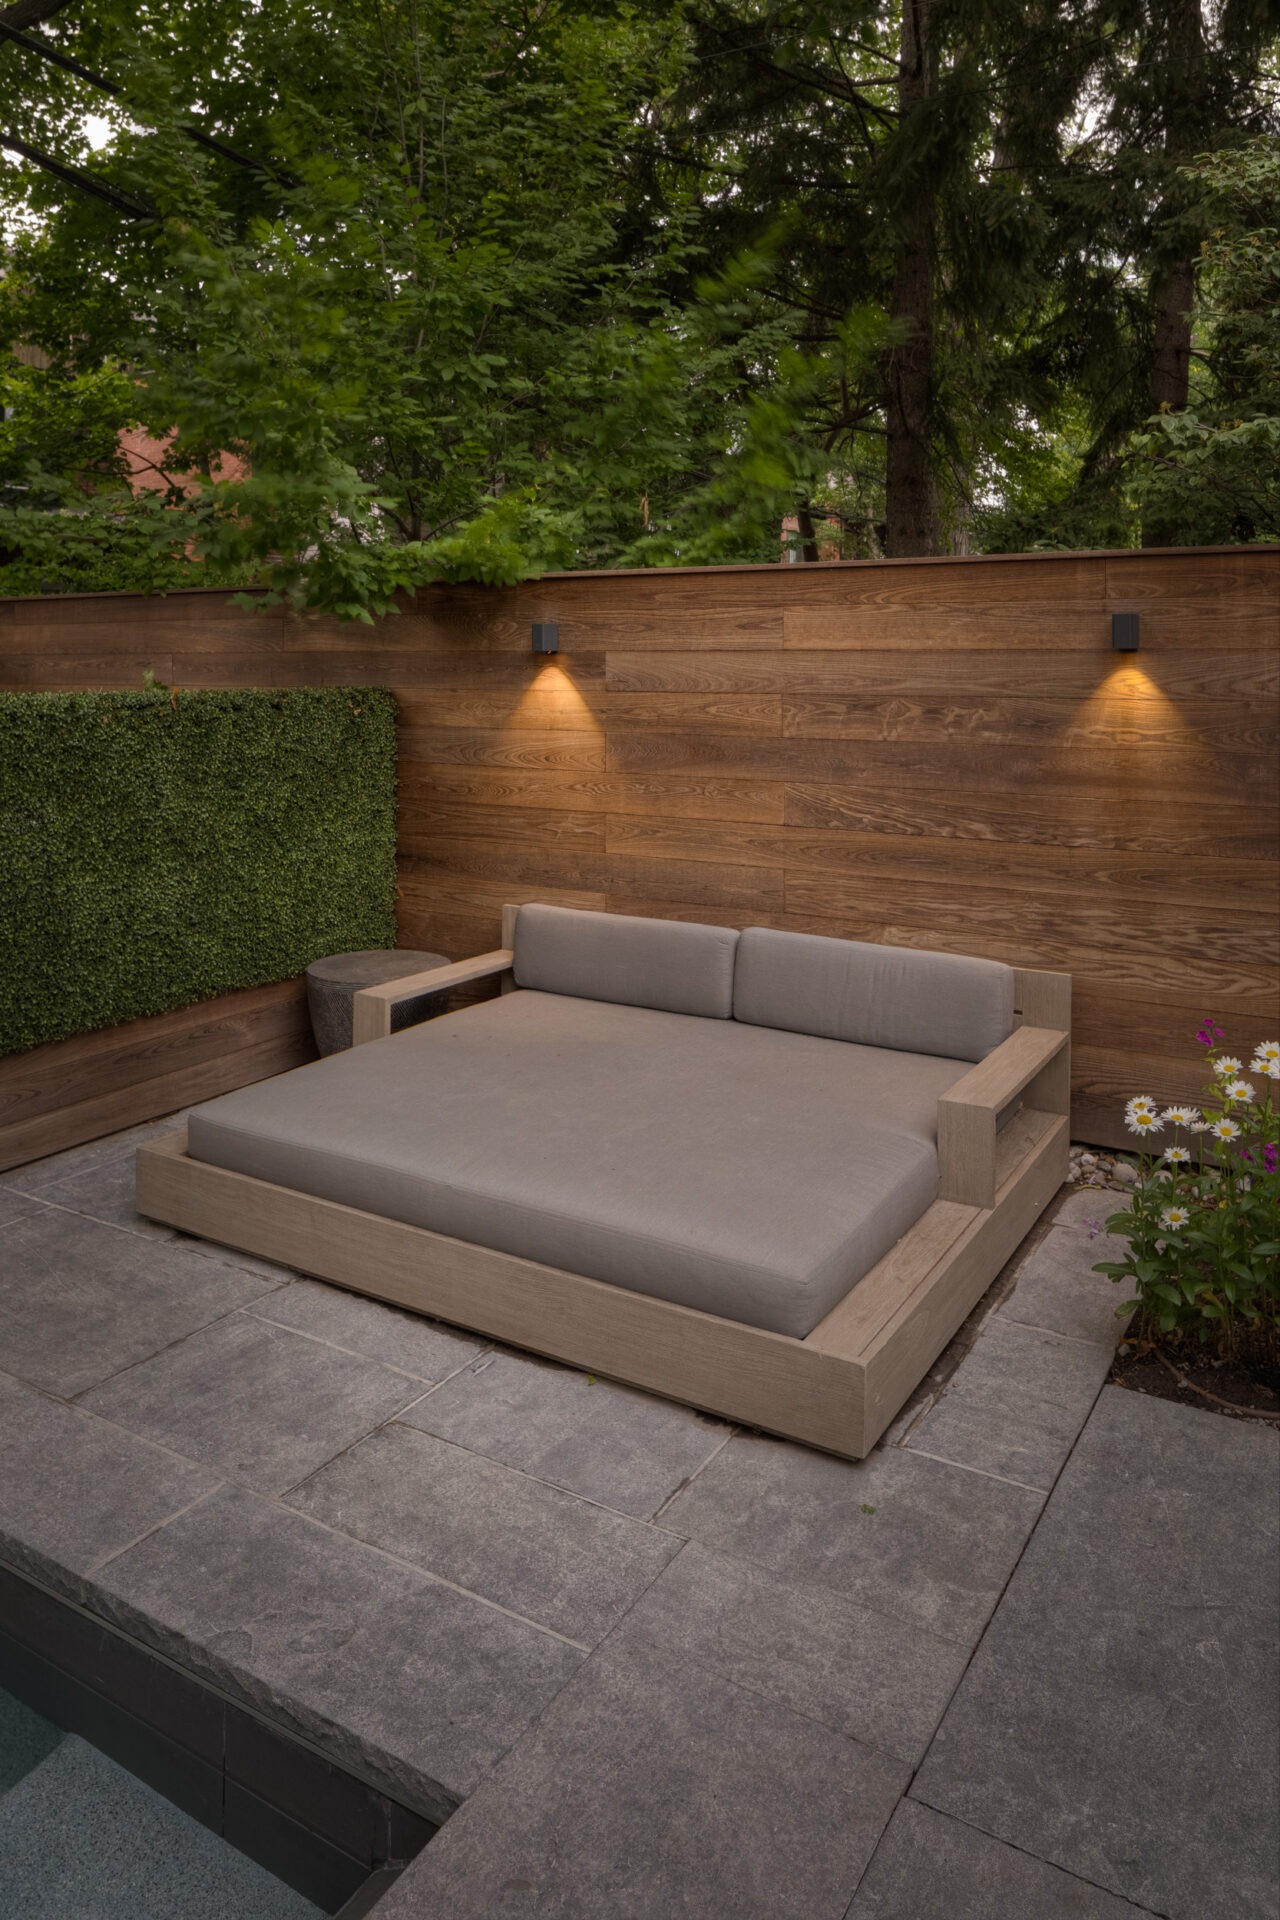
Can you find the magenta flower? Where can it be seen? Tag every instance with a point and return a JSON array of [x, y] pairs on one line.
[[1270, 1155], [1210, 1033]]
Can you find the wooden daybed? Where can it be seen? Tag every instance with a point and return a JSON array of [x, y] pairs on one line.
[[841, 1144]]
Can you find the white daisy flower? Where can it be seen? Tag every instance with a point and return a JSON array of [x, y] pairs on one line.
[[1174, 1217], [1268, 1049], [1143, 1120], [1228, 1065], [1225, 1130], [1181, 1116], [1273, 1069], [1178, 1155], [1141, 1103], [1240, 1090]]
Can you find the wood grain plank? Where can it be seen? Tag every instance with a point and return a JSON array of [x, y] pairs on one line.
[[423, 832], [186, 1083], [1106, 774], [43, 672], [1183, 678], [1167, 1025], [965, 676], [709, 713], [1124, 880], [424, 785], [695, 796], [1241, 574], [1097, 948], [709, 913], [677, 671], [1043, 815], [1058, 584], [1023, 719], [1041, 630], [536, 709], [527, 864], [687, 883], [455, 746], [1027, 626], [63, 1072]]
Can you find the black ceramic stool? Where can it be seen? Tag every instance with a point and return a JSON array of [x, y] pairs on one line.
[[332, 984]]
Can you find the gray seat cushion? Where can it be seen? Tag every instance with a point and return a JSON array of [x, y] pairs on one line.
[[748, 1173], [936, 1003], [666, 964]]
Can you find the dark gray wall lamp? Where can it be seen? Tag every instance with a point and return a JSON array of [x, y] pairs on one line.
[[1124, 632], [546, 636]]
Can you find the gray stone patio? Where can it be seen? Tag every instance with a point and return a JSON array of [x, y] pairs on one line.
[[1021, 1661]]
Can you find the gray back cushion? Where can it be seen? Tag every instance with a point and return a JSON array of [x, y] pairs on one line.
[[939, 1003], [665, 964]]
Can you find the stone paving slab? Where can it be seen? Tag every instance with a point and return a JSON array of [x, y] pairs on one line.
[[911, 1537], [416, 1687], [1089, 1208], [406, 1341], [265, 1406], [74, 1491], [1026, 1449], [1058, 1290], [882, 1681], [1016, 1403], [79, 1300], [929, 1867], [36, 1174], [1132, 1671], [105, 1192], [625, 1449], [573, 1567], [656, 1790], [1011, 1367], [61, 1166], [13, 1205]]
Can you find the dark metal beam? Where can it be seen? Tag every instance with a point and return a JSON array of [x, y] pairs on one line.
[[73, 177], [29, 13], [10, 30]]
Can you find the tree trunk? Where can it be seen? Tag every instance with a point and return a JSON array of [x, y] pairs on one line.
[[911, 495], [1171, 365], [807, 532], [1173, 284]]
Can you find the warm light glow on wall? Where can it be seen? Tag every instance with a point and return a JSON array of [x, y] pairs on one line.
[[552, 700], [1129, 709]]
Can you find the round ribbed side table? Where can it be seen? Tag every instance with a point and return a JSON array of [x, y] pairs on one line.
[[332, 984]]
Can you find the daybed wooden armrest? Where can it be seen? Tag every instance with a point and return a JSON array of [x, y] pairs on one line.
[[1032, 1061], [371, 1007]]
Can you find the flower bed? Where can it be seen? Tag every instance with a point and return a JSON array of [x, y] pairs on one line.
[[1203, 1233]]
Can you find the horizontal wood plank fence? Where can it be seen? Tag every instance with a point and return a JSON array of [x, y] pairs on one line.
[[937, 753]]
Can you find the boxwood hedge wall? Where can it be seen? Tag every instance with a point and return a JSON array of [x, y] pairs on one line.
[[157, 848]]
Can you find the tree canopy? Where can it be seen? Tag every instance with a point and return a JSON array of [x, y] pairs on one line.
[[410, 291]]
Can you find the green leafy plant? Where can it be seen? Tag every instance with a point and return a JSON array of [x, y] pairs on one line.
[[159, 847], [1203, 1233]]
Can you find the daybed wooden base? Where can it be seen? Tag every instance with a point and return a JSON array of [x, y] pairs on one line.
[[838, 1389]]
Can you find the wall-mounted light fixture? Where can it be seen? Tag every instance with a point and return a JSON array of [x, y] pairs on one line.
[[546, 636], [1124, 632]]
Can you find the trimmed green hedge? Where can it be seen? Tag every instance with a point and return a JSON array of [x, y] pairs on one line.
[[158, 848]]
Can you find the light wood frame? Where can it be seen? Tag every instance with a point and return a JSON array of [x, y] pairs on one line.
[[1002, 1152]]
